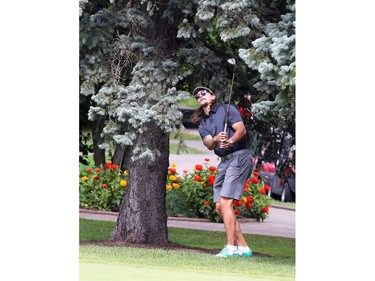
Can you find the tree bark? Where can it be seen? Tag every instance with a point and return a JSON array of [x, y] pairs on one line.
[[118, 155], [99, 154], [142, 217]]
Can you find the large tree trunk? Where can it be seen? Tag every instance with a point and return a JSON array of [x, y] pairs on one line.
[[142, 217]]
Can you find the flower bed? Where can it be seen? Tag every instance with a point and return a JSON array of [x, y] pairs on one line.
[[190, 195]]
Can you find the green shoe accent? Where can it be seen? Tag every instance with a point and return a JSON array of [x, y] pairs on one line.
[[246, 254]]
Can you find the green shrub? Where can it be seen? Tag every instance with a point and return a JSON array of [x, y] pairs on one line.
[[102, 188], [198, 189], [177, 204], [255, 202], [198, 186]]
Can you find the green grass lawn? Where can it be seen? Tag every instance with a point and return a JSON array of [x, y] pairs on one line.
[[128, 263], [186, 136], [190, 102], [189, 150]]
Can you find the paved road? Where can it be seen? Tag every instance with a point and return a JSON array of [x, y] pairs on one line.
[[281, 222], [188, 161]]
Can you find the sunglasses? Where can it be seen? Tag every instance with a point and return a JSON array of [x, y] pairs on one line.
[[200, 94]]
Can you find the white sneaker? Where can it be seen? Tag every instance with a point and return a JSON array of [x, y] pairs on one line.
[[226, 252], [245, 254]]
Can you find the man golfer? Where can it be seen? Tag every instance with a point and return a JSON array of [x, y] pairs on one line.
[[235, 163]]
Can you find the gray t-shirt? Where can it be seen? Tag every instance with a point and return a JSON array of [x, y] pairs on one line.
[[213, 124]]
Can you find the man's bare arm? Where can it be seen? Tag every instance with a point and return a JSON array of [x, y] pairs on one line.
[[210, 142], [240, 133]]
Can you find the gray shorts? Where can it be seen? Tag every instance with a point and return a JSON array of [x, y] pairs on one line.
[[232, 176]]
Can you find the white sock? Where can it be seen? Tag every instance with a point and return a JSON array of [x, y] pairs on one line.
[[232, 248], [244, 249]]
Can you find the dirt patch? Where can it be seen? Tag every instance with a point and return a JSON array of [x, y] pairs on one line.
[[168, 246]]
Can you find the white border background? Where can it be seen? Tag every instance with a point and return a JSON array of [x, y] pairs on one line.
[[39, 140]]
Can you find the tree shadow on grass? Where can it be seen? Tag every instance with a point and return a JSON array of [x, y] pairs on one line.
[[167, 246]]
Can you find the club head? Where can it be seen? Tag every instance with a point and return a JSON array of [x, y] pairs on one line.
[[232, 61]]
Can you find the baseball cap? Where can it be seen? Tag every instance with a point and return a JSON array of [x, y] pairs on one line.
[[200, 88]]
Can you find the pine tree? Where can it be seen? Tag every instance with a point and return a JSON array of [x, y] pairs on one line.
[[139, 59], [129, 67]]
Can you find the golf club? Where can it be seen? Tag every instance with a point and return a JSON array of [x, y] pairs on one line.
[[232, 61]]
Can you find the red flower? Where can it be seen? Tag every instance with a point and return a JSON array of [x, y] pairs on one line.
[[262, 190], [240, 109], [104, 185], [98, 170], [255, 174], [250, 199], [89, 170], [212, 168], [107, 165], [198, 167], [246, 186], [237, 212], [96, 177], [248, 204], [237, 202], [185, 171], [172, 170], [205, 203], [207, 159], [267, 187], [197, 178], [265, 209], [114, 166], [211, 179], [254, 180]]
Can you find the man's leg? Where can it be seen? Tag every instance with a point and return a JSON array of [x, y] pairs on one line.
[[240, 240], [229, 218]]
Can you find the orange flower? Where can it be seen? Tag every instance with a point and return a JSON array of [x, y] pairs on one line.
[[205, 203], [104, 185], [177, 179]]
